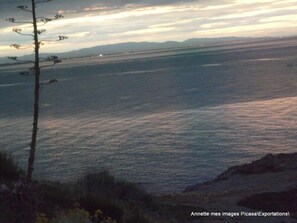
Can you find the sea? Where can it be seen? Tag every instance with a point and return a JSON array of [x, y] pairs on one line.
[[164, 119]]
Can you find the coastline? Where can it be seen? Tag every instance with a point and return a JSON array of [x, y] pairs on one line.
[[261, 191]]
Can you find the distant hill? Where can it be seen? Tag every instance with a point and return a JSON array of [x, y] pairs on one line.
[[145, 46], [136, 46]]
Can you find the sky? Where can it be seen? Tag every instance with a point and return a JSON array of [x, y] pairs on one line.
[[90, 23]]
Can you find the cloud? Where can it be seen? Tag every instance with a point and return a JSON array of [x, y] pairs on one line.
[[99, 22], [80, 34], [284, 18], [145, 31], [213, 25], [244, 30]]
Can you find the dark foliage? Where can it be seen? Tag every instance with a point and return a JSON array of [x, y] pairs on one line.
[[136, 217], [105, 204], [112, 195], [22, 202], [56, 196], [105, 184], [9, 171], [22, 199]]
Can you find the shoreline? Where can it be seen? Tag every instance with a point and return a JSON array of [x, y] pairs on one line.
[[267, 185], [262, 191]]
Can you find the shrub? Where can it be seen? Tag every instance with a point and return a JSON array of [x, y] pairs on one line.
[[136, 219], [75, 215], [104, 183], [136, 216], [57, 195], [109, 206], [22, 202], [111, 195], [41, 218], [9, 170]]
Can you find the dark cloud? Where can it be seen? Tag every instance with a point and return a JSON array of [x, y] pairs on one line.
[[8, 7], [105, 6]]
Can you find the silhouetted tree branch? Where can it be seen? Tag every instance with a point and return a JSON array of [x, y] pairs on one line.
[[24, 8], [35, 70], [14, 21], [16, 59]]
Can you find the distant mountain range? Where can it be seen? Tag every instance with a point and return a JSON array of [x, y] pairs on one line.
[[136, 47]]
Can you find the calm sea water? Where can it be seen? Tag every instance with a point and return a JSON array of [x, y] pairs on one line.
[[166, 121]]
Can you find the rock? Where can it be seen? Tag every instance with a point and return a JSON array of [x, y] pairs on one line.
[[268, 184], [269, 163]]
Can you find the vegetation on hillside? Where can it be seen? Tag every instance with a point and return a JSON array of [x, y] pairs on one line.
[[97, 197]]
